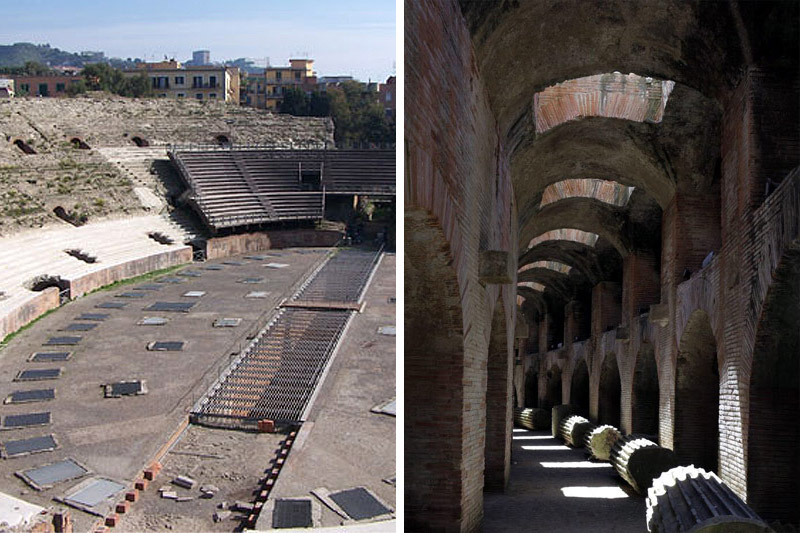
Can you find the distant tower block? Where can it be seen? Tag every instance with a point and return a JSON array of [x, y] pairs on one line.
[[201, 57]]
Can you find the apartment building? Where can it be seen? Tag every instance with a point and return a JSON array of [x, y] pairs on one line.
[[300, 73], [170, 79]]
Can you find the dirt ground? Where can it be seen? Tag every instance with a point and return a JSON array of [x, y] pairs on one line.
[[233, 461]]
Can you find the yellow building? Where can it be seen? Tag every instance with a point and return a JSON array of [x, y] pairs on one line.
[[171, 80], [299, 73]]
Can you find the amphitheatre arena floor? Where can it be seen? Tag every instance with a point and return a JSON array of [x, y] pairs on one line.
[[116, 438]]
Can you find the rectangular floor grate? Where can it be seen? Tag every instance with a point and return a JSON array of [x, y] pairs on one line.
[[359, 504], [97, 317], [62, 341], [289, 513], [276, 376], [38, 375], [165, 346], [49, 357], [170, 279], [152, 321], [132, 295], [16, 448], [111, 305], [177, 307], [26, 420], [30, 396], [148, 287], [78, 326], [125, 388], [45, 476], [342, 279]]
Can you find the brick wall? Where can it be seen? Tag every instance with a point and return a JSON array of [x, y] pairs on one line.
[[456, 170]]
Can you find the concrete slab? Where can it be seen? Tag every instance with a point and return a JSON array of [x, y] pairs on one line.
[[17, 513]]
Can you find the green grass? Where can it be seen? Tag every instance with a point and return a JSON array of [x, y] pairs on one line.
[[138, 279], [30, 324], [110, 286]]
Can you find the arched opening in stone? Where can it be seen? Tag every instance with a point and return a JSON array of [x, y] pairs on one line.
[[773, 454], [696, 437], [140, 142], [40, 283], [532, 388], [609, 399], [497, 450], [579, 389], [553, 392], [222, 140], [78, 144], [645, 392], [25, 147], [435, 361]]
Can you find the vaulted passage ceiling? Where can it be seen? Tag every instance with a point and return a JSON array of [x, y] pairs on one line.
[[609, 110]]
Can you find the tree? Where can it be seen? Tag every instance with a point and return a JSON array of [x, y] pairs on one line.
[[295, 102], [104, 77]]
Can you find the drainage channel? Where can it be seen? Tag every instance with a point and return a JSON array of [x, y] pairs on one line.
[[276, 376]]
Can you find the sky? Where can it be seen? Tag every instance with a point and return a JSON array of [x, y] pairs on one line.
[[343, 37]]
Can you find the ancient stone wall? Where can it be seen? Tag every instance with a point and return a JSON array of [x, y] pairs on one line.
[[68, 170]]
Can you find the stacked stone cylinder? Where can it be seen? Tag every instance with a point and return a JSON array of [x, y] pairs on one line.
[[600, 440], [532, 418], [573, 430], [690, 499], [639, 460]]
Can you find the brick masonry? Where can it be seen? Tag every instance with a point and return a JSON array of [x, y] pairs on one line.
[[459, 203]]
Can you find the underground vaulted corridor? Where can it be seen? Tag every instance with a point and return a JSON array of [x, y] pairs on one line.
[[602, 290]]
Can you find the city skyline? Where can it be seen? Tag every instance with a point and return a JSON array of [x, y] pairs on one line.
[[336, 38]]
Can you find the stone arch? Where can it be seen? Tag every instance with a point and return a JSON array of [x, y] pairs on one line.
[[696, 419], [141, 142], [552, 391], [434, 363], [532, 387], [609, 404], [222, 140], [645, 401], [773, 455], [499, 367], [579, 388], [25, 147], [79, 144], [44, 281]]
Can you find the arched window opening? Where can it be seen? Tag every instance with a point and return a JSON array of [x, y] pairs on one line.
[[614, 95], [565, 234], [608, 192]]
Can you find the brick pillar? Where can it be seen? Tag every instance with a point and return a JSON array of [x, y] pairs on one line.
[[576, 323], [500, 367], [545, 335], [606, 307], [640, 285], [435, 367]]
